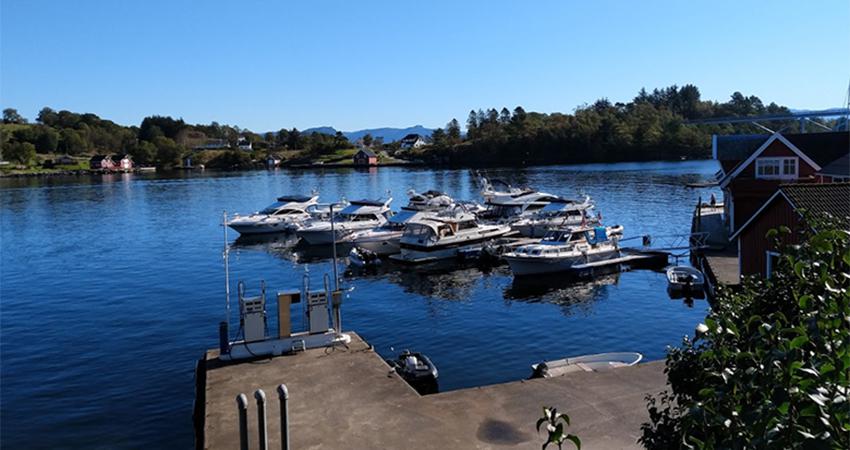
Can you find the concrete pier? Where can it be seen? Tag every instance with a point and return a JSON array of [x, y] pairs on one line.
[[347, 398]]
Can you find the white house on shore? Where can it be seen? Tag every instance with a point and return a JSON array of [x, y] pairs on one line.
[[412, 140], [244, 144]]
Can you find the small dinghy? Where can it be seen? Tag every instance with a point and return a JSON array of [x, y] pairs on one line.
[[586, 363], [685, 280], [417, 370], [360, 257]]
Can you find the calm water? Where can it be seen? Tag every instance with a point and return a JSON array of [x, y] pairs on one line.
[[112, 287]]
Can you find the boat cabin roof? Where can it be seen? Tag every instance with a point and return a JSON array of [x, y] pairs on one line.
[[296, 198], [403, 216], [366, 202]]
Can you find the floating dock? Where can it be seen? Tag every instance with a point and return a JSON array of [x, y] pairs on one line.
[[347, 398]]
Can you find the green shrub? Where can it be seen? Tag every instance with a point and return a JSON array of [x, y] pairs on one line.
[[770, 368]]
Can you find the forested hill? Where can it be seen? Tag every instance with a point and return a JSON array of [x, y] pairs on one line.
[[650, 127]]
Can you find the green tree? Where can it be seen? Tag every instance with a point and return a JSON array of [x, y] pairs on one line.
[[48, 117], [144, 153], [770, 368], [438, 137], [453, 131], [71, 142], [472, 125], [504, 116], [10, 115], [47, 140], [21, 152], [367, 140], [168, 153]]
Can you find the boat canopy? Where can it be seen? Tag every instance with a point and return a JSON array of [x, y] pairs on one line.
[[274, 207], [366, 202], [295, 198]]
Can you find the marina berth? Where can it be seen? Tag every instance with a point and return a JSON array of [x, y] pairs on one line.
[[357, 216], [385, 239], [283, 215], [565, 250], [512, 203], [560, 213], [444, 235]]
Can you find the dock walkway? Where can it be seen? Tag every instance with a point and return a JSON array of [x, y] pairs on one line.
[[346, 398]]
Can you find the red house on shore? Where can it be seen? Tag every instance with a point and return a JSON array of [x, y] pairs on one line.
[[787, 207], [754, 166], [365, 157], [101, 162]]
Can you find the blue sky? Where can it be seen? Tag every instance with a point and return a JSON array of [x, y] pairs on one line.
[[265, 65]]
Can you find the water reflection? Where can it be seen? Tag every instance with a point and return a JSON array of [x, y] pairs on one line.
[[572, 295]]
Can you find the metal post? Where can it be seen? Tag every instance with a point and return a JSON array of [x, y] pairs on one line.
[[333, 236], [242, 404], [226, 271], [283, 393], [261, 418]]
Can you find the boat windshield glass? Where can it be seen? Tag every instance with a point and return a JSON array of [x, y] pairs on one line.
[[418, 231], [557, 236], [272, 208]]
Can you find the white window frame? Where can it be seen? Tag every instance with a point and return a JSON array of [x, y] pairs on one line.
[[769, 263], [779, 162]]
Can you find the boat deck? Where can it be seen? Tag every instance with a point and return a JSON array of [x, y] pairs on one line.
[[346, 398]]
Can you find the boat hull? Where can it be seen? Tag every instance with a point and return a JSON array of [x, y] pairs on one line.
[[261, 227], [524, 265]]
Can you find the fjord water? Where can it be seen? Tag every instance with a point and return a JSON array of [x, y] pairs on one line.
[[112, 287]]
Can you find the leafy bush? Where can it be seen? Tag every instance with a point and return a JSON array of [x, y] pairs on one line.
[[556, 424], [770, 368]]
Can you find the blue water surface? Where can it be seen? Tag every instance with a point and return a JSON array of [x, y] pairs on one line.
[[112, 286]]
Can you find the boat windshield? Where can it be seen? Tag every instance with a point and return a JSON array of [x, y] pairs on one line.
[[418, 231], [557, 236], [272, 208], [505, 210]]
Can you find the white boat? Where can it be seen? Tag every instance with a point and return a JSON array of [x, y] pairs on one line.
[[511, 203], [358, 215], [586, 363], [685, 279], [560, 213], [385, 239], [283, 215], [560, 250], [440, 236]]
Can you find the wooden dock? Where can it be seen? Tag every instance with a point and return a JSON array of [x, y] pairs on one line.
[[347, 398]]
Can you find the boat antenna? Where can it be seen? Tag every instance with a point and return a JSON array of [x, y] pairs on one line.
[[333, 237], [226, 256]]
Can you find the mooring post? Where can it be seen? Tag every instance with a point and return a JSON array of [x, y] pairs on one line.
[[283, 393], [261, 418], [242, 404]]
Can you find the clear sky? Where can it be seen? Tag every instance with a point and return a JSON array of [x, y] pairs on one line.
[[269, 64]]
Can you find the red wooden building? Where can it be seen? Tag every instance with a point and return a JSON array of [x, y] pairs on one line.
[[786, 207], [754, 166], [365, 157]]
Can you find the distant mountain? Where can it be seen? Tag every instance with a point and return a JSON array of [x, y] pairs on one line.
[[323, 130], [389, 134]]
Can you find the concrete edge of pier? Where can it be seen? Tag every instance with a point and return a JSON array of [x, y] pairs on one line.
[[346, 397]]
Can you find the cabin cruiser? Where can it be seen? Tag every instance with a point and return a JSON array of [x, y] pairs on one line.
[[565, 249], [512, 203], [439, 236], [357, 216], [384, 240], [560, 213], [282, 215]]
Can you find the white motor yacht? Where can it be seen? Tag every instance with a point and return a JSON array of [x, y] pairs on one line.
[[357, 216], [560, 213], [282, 215], [384, 240], [561, 250], [440, 236], [512, 203]]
